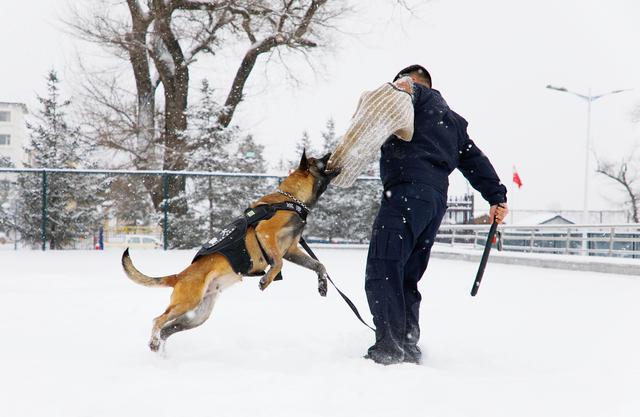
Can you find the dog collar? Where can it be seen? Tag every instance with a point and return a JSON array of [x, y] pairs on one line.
[[295, 200]]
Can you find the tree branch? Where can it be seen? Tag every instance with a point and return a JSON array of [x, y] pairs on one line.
[[621, 177]]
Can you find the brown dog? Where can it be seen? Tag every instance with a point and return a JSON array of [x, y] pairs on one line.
[[195, 289]]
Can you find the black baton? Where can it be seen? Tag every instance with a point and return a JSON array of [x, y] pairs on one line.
[[485, 258]]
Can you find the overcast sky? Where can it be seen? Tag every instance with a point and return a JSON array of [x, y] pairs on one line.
[[491, 60]]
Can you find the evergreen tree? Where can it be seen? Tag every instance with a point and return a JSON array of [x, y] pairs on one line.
[[5, 162], [72, 199], [129, 201], [331, 217], [215, 201], [209, 204], [367, 206], [329, 139], [282, 166], [250, 156], [7, 197], [303, 144], [250, 159]]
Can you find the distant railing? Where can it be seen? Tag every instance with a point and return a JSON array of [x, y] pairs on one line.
[[613, 240]]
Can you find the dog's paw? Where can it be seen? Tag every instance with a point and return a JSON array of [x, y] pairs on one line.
[[263, 284], [322, 285], [155, 344]]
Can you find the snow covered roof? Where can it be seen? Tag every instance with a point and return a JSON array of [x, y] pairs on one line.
[[11, 104], [542, 218]]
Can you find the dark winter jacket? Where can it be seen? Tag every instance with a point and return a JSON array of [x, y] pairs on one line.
[[440, 144]]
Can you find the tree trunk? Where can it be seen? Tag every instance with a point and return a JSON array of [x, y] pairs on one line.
[[174, 73], [145, 94]]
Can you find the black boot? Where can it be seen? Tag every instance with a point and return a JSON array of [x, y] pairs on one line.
[[412, 354], [384, 356]]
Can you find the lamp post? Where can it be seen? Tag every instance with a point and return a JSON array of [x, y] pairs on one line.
[[589, 99]]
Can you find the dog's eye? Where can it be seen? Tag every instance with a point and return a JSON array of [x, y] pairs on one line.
[[320, 165]]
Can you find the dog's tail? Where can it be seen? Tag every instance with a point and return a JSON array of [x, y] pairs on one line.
[[142, 279]]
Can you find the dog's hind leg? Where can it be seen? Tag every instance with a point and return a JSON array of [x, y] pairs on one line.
[[172, 312], [186, 296], [190, 319], [200, 314]]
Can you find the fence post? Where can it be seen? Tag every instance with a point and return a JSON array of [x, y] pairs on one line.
[[165, 209], [533, 233], [101, 238], [612, 232], [43, 231]]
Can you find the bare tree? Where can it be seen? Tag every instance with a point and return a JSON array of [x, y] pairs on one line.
[[625, 174], [160, 40]]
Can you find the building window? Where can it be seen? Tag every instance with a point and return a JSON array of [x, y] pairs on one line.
[[5, 140], [5, 116]]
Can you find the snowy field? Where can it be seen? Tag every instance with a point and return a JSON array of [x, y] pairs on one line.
[[533, 343]]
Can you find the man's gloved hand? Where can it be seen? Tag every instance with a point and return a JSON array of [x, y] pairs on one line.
[[499, 212], [405, 83]]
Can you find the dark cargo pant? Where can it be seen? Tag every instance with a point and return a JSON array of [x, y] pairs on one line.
[[401, 241]]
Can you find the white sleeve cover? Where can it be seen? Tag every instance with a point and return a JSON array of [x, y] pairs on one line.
[[383, 112]]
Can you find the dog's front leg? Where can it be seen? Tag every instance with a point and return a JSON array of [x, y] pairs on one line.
[[295, 255], [268, 234], [268, 278]]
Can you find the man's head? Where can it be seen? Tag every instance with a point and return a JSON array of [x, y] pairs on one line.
[[418, 74]]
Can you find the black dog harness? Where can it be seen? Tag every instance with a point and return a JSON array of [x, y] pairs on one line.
[[230, 241]]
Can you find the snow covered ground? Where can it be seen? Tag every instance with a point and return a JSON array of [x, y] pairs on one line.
[[535, 342]]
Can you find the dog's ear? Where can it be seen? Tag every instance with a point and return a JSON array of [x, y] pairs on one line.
[[325, 159], [304, 164]]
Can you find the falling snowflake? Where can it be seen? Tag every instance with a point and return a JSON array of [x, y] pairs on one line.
[[220, 237]]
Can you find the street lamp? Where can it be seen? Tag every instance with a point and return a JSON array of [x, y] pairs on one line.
[[589, 99]]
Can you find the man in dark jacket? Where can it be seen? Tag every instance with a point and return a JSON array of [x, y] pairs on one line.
[[415, 179]]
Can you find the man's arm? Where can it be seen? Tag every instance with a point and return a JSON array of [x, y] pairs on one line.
[[477, 168]]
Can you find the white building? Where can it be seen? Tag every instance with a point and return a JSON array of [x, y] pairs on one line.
[[13, 132]]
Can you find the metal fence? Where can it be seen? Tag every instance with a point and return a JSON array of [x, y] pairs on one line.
[[122, 214], [612, 240], [125, 215]]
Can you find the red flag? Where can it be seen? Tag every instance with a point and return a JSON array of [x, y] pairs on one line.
[[516, 178]]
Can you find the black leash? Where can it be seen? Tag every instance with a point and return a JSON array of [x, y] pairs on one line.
[[306, 247]]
